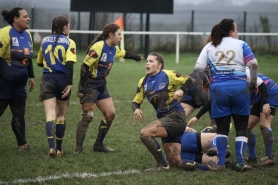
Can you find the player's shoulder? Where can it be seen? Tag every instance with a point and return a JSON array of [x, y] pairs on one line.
[[5, 30]]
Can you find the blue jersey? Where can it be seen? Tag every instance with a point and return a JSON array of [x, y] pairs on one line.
[[16, 51], [159, 90], [55, 58], [101, 58], [272, 91]]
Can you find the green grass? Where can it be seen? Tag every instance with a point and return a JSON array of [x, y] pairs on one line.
[[123, 137]]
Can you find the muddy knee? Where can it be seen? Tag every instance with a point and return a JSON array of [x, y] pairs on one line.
[[87, 116]]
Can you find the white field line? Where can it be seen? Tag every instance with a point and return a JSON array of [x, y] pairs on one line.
[[67, 175]]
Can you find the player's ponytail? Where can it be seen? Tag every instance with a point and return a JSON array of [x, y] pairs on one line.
[[221, 30], [109, 28], [9, 15]]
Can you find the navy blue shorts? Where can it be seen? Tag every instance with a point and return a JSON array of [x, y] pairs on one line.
[[52, 86]]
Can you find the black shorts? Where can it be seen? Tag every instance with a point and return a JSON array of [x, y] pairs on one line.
[[52, 85], [174, 123], [257, 109], [93, 94]]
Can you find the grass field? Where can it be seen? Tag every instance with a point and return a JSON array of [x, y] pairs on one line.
[[127, 164]]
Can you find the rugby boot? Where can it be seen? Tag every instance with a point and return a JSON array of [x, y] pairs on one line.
[[242, 168], [215, 167], [80, 153], [60, 153], [52, 152], [158, 167], [102, 148], [265, 162]]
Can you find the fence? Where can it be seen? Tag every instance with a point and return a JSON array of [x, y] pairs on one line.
[[176, 34]]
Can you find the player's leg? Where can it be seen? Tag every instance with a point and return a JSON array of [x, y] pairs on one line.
[[107, 108], [188, 109], [18, 106], [147, 136], [241, 123], [3, 105], [50, 113], [252, 140], [82, 126], [268, 136], [60, 124]]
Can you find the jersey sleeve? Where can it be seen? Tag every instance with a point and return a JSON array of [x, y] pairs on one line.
[[71, 52], [176, 79], [247, 53], [201, 62], [139, 96], [40, 56], [4, 41], [120, 53], [94, 54]]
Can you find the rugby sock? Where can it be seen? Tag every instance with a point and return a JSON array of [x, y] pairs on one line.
[[213, 143], [102, 131], [60, 132], [240, 146], [252, 144], [268, 141], [192, 165], [160, 152], [221, 146], [82, 127], [50, 132], [154, 147]]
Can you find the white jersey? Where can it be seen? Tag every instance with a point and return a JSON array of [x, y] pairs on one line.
[[227, 61]]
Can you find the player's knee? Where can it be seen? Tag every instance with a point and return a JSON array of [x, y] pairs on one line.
[[87, 116], [241, 133], [143, 138], [109, 118]]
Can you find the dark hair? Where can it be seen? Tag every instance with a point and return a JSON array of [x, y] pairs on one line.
[[221, 30], [109, 28], [9, 15], [159, 58], [58, 24]]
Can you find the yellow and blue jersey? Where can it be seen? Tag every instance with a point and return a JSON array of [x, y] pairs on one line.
[[100, 59], [16, 51], [159, 90], [55, 59]]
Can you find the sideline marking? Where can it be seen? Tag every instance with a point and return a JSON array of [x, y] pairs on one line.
[[67, 175]]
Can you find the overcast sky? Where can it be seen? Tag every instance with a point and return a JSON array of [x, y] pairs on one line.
[[235, 2]]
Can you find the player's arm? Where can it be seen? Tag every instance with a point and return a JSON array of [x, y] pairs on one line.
[[40, 58], [4, 42], [201, 65], [137, 101], [264, 94], [127, 55], [70, 60], [186, 82], [201, 112]]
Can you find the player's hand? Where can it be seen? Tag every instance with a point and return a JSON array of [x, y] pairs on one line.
[[188, 129], [141, 58], [31, 84], [178, 95], [254, 89], [80, 94], [191, 121], [266, 110], [66, 91], [138, 115]]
